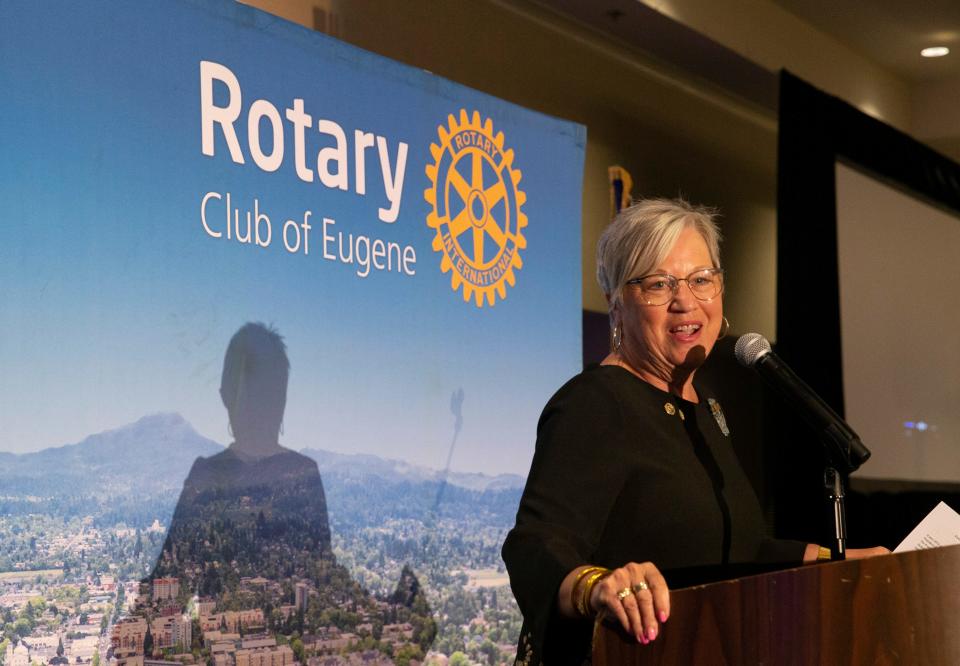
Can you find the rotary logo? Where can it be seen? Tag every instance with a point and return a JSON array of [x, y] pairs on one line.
[[476, 208]]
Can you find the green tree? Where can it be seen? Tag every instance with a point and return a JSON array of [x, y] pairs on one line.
[[196, 635], [148, 643], [458, 659], [96, 658], [406, 653], [491, 651], [297, 646], [60, 647], [23, 627]]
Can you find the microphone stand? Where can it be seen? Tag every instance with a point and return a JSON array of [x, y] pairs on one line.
[[844, 451], [844, 454], [833, 483]]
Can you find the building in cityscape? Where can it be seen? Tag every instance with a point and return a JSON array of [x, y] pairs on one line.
[[165, 588], [233, 621], [171, 631], [300, 592], [127, 641], [277, 655], [19, 656], [206, 606]]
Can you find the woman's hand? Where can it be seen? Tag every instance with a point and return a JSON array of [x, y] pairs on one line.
[[813, 550], [637, 595], [860, 553]]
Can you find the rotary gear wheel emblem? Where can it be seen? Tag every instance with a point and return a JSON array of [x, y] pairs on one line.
[[476, 208]]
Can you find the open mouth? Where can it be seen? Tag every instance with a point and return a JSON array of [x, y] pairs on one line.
[[686, 331]]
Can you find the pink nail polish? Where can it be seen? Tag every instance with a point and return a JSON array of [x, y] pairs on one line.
[[663, 616], [652, 633]]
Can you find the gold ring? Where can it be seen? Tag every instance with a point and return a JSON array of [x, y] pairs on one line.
[[639, 587], [624, 593]]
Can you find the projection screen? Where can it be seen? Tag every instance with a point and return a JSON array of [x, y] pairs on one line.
[[900, 309]]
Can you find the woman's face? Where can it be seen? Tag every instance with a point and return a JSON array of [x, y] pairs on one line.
[[679, 334]]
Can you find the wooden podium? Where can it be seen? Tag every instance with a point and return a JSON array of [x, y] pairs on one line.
[[893, 609]]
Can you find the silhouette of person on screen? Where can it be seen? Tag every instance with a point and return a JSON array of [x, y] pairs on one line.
[[250, 531]]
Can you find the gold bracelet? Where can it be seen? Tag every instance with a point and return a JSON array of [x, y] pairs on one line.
[[585, 589], [573, 589], [594, 578], [824, 554], [579, 605], [588, 590]]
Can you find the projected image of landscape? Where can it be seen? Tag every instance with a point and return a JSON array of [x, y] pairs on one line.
[[253, 411]]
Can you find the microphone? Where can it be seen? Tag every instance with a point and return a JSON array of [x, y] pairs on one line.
[[842, 443]]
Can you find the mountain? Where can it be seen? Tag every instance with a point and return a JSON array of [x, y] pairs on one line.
[[156, 452], [362, 466], [151, 455], [136, 472]]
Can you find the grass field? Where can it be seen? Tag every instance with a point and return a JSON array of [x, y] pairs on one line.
[[18, 576], [485, 578]]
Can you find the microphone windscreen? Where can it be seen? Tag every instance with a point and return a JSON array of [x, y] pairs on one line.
[[750, 347]]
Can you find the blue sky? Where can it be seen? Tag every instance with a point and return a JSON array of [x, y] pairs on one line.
[[116, 304]]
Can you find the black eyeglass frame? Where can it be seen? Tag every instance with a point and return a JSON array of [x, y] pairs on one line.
[[719, 272]]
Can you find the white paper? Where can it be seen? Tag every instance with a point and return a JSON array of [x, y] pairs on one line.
[[941, 527]]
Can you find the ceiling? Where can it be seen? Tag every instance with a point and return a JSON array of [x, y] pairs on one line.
[[890, 32]]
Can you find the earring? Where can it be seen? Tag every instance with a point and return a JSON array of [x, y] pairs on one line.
[[617, 338], [724, 329]]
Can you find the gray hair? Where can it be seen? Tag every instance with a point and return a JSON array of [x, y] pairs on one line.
[[643, 234]]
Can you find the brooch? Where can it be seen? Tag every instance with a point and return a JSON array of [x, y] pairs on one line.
[[718, 416]]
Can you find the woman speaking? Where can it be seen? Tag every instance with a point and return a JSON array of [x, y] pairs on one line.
[[634, 471]]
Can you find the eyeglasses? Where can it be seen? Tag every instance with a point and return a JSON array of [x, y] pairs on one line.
[[658, 289]]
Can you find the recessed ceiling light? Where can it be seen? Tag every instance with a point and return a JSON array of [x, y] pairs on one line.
[[935, 52]]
